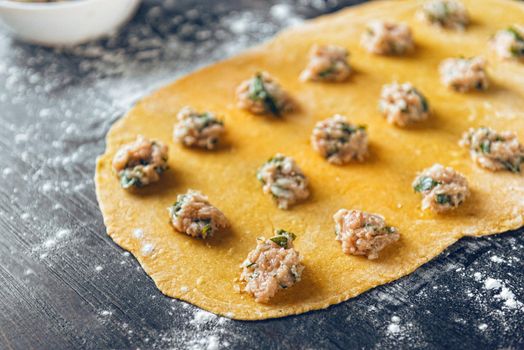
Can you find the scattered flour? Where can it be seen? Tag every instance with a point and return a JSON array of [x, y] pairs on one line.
[[138, 233], [505, 294], [281, 11], [55, 239], [285, 14], [7, 171], [47, 187], [508, 297], [202, 317], [240, 24], [211, 342], [203, 331], [19, 138], [393, 328], [496, 259], [45, 113], [146, 249], [491, 283], [62, 233]]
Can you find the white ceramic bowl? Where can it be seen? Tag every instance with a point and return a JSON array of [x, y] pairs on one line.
[[65, 23]]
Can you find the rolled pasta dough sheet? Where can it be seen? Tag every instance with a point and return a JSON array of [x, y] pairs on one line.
[[202, 272]]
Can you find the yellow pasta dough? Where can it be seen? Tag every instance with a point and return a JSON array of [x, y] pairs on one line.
[[202, 272]]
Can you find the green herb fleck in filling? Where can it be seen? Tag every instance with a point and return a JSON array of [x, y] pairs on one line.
[[335, 149], [515, 33], [127, 180], [443, 199], [206, 230], [273, 160], [295, 274], [177, 206], [327, 72], [283, 238], [349, 129], [423, 101], [208, 120], [131, 177], [485, 147], [513, 167], [258, 92], [440, 14], [425, 184], [160, 169], [389, 229], [480, 86], [517, 51]]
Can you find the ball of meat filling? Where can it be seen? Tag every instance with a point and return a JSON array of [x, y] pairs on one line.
[[195, 129], [284, 180], [338, 141], [272, 266], [442, 189], [464, 74], [262, 94], [403, 104], [193, 215], [494, 150], [327, 63], [362, 233], [387, 38], [140, 163]]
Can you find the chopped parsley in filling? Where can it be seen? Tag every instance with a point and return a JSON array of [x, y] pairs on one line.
[[494, 150], [272, 266], [263, 95], [362, 233], [284, 180], [442, 189], [140, 163], [339, 141], [283, 238], [425, 183], [195, 129], [258, 92], [193, 215]]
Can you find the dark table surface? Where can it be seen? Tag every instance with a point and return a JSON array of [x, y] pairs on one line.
[[65, 285]]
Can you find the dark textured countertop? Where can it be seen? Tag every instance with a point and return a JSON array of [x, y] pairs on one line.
[[65, 285]]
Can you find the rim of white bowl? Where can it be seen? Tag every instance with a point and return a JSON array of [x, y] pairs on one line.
[[11, 4]]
